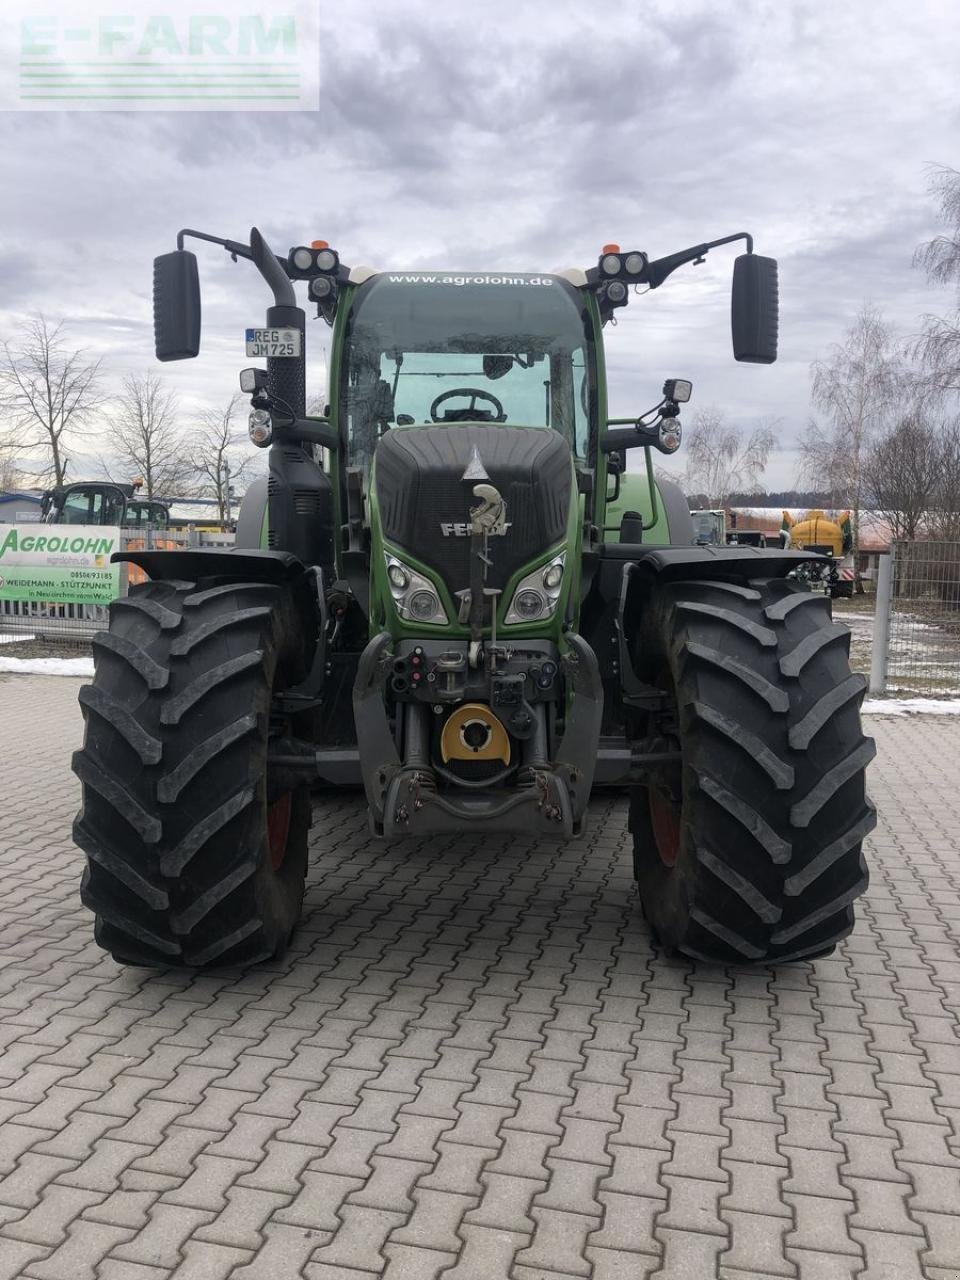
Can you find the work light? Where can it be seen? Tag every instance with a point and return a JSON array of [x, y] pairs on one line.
[[679, 390], [252, 380]]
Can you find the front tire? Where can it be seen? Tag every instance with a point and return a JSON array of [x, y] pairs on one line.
[[192, 858], [750, 850]]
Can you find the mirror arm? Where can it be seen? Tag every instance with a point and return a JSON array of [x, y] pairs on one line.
[[233, 247], [658, 270], [260, 257], [268, 264]]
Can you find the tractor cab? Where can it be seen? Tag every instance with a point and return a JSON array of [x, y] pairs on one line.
[[144, 514], [86, 502], [97, 502], [434, 350]]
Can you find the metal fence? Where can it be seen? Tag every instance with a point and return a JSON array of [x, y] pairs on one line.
[[916, 639], [72, 625]]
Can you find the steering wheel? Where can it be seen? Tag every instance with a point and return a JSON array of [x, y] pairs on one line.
[[471, 413]]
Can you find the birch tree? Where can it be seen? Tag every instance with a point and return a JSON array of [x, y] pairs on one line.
[[723, 457], [938, 346], [855, 386]]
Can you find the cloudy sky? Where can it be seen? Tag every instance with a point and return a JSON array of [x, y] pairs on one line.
[[510, 135]]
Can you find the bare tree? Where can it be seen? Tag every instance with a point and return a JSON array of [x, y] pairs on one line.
[[9, 475], [945, 503], [856, 387], [901, 472], [216, 443], [49, 393], [723, 457], [146, 435], [938, 346]]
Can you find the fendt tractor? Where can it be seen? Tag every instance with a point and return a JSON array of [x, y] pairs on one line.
[[452, 590]]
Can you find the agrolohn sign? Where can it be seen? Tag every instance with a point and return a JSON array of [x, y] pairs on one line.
[[60, 566]]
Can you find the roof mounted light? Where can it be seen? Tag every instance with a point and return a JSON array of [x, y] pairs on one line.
[[304, 263]]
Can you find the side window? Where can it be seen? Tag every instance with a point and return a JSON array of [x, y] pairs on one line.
[[81, 507], [581, 403]]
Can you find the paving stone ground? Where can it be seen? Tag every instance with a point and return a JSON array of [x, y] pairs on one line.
[[474, 1064]]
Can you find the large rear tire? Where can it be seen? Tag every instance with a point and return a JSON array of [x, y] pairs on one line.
[[750, 850], [191, 860]]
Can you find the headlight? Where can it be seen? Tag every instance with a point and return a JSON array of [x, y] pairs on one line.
[[414, 596], [302, 259], [529, 604], [423, 605], [536, 595], [610, 264], [326, 260]]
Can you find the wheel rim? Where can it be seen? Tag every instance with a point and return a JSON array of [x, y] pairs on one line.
[[665, 820], [278, 829]]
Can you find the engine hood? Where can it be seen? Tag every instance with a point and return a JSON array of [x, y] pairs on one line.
[[424, 499]]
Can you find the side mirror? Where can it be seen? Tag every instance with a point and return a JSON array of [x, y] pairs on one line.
[[754, 309], [176, 305]]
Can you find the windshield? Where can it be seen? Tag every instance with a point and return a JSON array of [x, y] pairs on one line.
[[478, 348]]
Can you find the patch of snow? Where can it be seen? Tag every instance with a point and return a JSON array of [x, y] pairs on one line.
[[47, 666], [911, 706], [15, 639]]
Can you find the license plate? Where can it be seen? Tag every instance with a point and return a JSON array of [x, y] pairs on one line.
[[273, 343]]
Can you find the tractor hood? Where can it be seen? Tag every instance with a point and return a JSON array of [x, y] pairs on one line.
[[424, 479]]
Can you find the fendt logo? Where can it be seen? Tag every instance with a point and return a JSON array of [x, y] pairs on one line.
[[173, 55], [461, 529]]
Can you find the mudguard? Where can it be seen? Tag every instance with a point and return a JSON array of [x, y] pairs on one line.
[[671, 563], [190, 564]]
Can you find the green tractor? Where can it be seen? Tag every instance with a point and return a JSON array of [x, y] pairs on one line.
[[452, 591]]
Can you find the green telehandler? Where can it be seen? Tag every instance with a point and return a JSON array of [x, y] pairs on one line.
[[451, 590]]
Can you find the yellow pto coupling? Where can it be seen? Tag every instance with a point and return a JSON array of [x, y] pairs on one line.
[[473, 732]]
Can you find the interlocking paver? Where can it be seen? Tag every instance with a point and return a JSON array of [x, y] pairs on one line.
[[474, 1063]]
